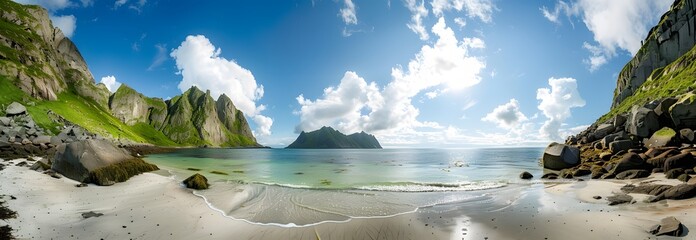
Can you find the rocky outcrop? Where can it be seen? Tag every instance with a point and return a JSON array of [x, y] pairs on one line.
[[195, 118], [42, 60], [97, 161], [328, 138], [674, 36], [560, 156]]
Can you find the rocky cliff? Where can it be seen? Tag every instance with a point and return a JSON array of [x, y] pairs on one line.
[[328, 138], [42, 68], [674, 36], [43, 61]]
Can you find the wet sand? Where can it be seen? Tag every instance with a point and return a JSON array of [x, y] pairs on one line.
[[153, 206]]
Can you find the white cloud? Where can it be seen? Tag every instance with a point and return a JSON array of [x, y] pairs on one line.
[[67, 24], [629, 21], [111, 83], [556, 104], [355, 105], [160, 56], [481, 9], [418, 12], [200, 64], [460, 22], [119, 3], [340, 106], [87, 3], [348, 13], [506, 116]]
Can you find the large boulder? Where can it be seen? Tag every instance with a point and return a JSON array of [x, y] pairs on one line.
[[683, 112], [683, 160], [605, 141], [603, 130], [97, 161], [668, 226], [633, 174], [15, 109], [619, 121], [196, 181], [643, 122], [629, 161], [663, 137], [559, 156], [662, 112], [620, 145]]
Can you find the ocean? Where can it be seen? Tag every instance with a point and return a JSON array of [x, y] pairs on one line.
[[301, 187]]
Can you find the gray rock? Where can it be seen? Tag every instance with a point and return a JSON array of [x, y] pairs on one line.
[[526, 175], [663, 137], [76, 160], [633, 174], [41, 140], [619, 198], [643, 122], [560, 156], [629, 161], [681, 191], [5, 121], [668, 226], [26, 142], [651, 189], [549, 176], [15, 109], [55, 141], [686, 135], [613, 137], [683, 160], [684, 111], [603, 130], [674, 173], [620, 145], [619, 121], [664, 106]]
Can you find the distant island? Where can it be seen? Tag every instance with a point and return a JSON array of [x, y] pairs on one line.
[[329, 138]]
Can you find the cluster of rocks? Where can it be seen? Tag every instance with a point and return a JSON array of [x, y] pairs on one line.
[[656, 137], [20, 136]]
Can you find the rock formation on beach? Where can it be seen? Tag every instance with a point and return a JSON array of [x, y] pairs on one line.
[[327, 137], [650, 126], [44, 70]]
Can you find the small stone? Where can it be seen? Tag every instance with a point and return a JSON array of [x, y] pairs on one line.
[[597, 197], [526, 175]]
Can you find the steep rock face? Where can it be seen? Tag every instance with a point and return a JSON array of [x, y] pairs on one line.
[[195, 118], [43, 60], [674, 36], [129, 106], [328, 138]]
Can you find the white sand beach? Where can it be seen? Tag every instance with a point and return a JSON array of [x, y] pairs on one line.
[[153, 206]]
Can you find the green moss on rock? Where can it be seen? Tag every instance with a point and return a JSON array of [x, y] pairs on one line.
[[120, 172], [196, 181]]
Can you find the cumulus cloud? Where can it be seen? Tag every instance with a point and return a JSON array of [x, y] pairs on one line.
[[160, 56], [506, 116], [460, 21], [111, 83], [418, 12], [556, 104], [354, 105], [200, 64], [481, 9], [348, 13], [67, 24], [630, 21]]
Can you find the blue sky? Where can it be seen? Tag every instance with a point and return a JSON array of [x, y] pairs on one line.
[[435, 73]]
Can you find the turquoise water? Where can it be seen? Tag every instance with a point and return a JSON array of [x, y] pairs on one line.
[[374, 169], [299, 187]]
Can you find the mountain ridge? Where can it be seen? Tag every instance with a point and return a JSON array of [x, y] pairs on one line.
[[329, 138], [51, 74]]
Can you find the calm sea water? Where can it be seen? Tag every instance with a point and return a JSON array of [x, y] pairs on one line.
[[300, 187], [374, 169]]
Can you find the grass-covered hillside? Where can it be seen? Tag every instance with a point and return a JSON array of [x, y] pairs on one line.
[[675, 79], [78, 110]]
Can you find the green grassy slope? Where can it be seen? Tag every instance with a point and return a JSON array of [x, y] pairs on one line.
[[677, 78], [81, 111]]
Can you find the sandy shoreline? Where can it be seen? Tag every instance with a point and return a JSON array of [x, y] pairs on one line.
[[153, 206]]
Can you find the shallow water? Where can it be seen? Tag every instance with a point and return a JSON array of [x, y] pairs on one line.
[[299, 187]]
